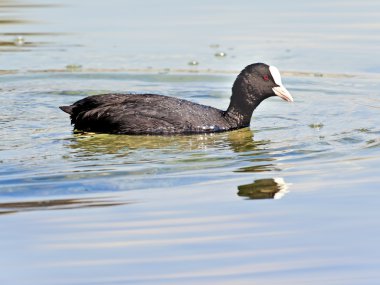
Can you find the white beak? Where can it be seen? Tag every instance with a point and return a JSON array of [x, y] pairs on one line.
[[281, 91]]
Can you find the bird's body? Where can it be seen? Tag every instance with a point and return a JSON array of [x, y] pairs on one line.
[[161, 115], [146, 114]]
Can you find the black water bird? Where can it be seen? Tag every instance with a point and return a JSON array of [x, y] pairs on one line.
[[138, 114]]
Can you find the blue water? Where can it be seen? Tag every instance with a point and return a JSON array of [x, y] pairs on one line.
[[290, 200]]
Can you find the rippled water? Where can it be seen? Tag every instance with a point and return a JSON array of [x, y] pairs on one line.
[[290, 200]]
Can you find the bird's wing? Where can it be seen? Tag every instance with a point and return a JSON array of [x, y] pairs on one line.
[[130, 118]]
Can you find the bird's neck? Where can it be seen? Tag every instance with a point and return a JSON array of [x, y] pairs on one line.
[[244, 100]]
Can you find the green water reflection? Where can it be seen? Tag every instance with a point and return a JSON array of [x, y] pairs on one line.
[[238, 141], [58, 204], [264, 189], [103, 209]]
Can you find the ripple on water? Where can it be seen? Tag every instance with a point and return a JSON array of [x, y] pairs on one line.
[[103, 209], [308, 132]]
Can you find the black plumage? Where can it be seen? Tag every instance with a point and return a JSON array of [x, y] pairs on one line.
[[162, 115]]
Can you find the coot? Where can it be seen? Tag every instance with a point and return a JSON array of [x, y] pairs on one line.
[[138, 114]]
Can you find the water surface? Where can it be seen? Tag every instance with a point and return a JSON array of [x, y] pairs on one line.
[[290, 200]]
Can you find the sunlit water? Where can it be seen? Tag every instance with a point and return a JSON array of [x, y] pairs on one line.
[[291, 200]]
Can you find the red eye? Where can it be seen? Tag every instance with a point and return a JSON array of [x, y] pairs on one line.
[[266, 77]]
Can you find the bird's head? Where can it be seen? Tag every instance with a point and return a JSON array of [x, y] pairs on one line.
[[254, 84], [261, 81]]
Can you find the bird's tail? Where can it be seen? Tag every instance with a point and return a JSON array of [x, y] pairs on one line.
[[67, 109]]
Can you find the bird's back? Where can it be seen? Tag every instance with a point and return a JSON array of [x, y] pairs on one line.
[[144, 114]]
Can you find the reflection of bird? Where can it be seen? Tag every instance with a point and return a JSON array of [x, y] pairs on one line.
[[157, 114], [238, 141], [264, 189]]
